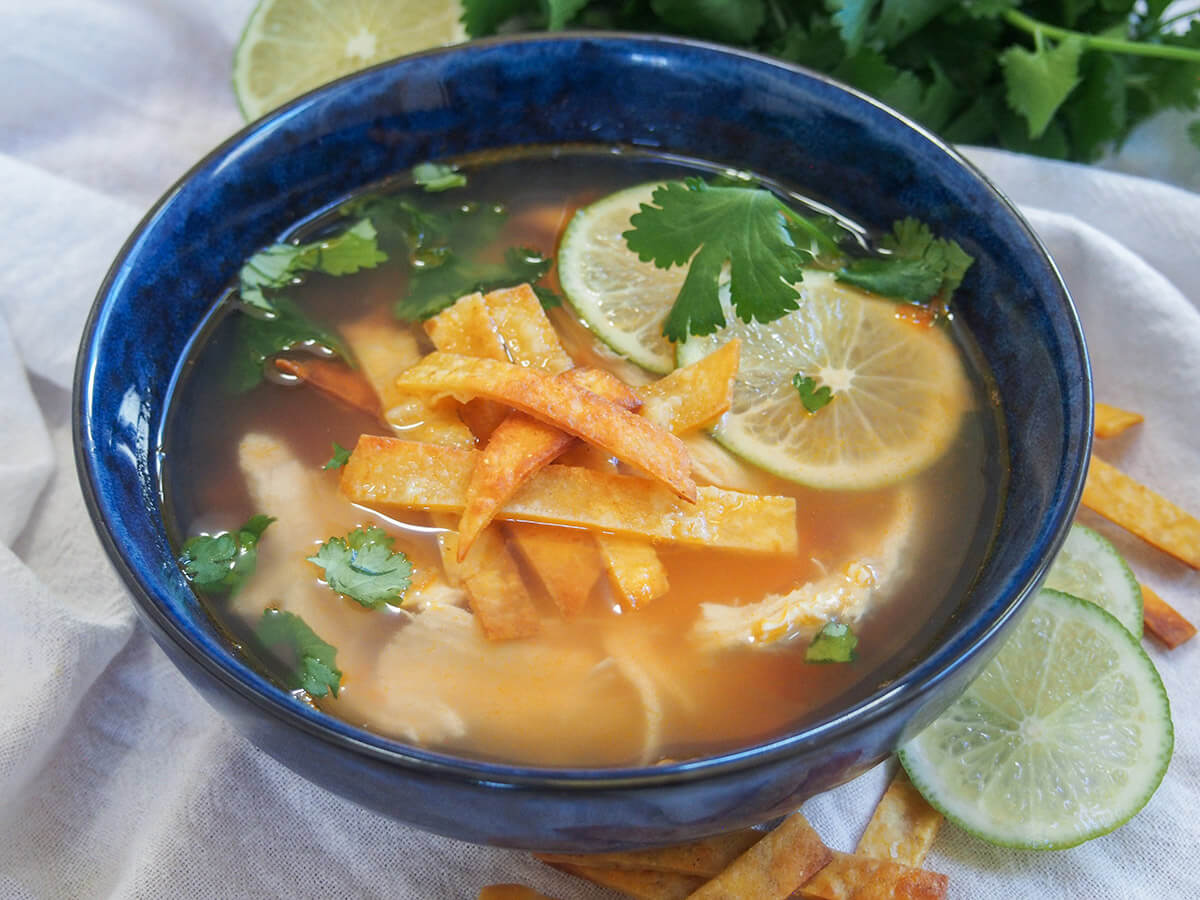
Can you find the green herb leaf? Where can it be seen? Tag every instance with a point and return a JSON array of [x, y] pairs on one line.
[[852, 19], [432, 290], [279, 265], [483, 17], [363, 567], [735, 22], [560, 12], [711, 226], [221, 563], [340, 457], [258, 339], [918, 268], [834, 643], [814, 398], [313, 661], [435, 177], [1039, 81]]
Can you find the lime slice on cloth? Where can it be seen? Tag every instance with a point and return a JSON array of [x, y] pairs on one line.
[[899, 390], [292, 46], [1065, 735], [1089, 567], [622, 299]]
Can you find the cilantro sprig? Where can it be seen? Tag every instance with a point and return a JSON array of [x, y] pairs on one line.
[[1065, 80], [834, 643], [311, 661], [917, 266], [437, 177], [220, 563], [363, 567], [340, 457], [813, 397]]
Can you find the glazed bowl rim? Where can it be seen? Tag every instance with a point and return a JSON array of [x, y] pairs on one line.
[[922, 677]]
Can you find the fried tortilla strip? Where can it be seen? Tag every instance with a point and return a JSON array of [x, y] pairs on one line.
[[390, 472], [634, 569], [1136, 508], [520, 447], [528, 335], [853, 877], [574, 410], [1163, 621], [467, 328], [510, 892], [335, 379], [493, 582], [384, 350], [774, 866], [903, 826], [1111, 421], [706, 857], [565, 559], [694, 396], [643, 884]]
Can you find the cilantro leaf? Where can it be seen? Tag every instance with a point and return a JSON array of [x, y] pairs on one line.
[[1038, 82], [313, 661], [221, 563], [852, 18], [834, 643], [340, 457], [483, 17], [279, 265], [744, 226], [560, 12], [258, 339], [363, 567], [814, 398], [436, 177], [918, 268], [432, 290], [718, 19]]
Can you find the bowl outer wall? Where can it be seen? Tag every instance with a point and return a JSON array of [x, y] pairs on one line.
[[752, 113]]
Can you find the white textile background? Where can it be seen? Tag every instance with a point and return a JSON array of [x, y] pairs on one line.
[[117, 780]]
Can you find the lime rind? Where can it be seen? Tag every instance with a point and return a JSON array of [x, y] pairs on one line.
[[1089, 566], [1087, 760], [622, 300]]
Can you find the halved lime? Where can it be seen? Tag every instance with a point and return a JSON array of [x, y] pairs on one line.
[[899, 389], [621, 299], [1065, 735], [1089, 567], [292, 46]]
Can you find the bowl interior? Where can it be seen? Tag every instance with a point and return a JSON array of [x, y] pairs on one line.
[[672, 96]]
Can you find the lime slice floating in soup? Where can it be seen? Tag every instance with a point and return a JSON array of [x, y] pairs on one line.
[[1089, 567], [292, 46], [1064, 737], [622, 299], [898, 390]]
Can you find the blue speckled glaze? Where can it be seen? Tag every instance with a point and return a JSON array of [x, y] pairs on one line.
[[675, 96]]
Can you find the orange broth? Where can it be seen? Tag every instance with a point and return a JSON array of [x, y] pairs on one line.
[[611, 686]]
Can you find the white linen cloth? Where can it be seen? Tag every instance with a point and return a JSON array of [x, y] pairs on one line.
[[117, 780]]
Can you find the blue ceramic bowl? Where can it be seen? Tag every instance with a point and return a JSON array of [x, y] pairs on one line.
[[675, 96]]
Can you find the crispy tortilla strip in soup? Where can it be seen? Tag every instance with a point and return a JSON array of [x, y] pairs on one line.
[[522, 445], [1136, 508], [903, 825], [774, 867], [493, 581], [467, 328], [706, 857], [528, 335], [1163, 621], [1111, 420], [556, 554], [854, 877], [389, 472], [384, 350], [335, 379], [694, 396], [600, 423]]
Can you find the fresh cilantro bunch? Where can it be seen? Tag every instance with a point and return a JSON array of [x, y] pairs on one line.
[[1065, 80], [221, 563], [310, 660], [363, 567]]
